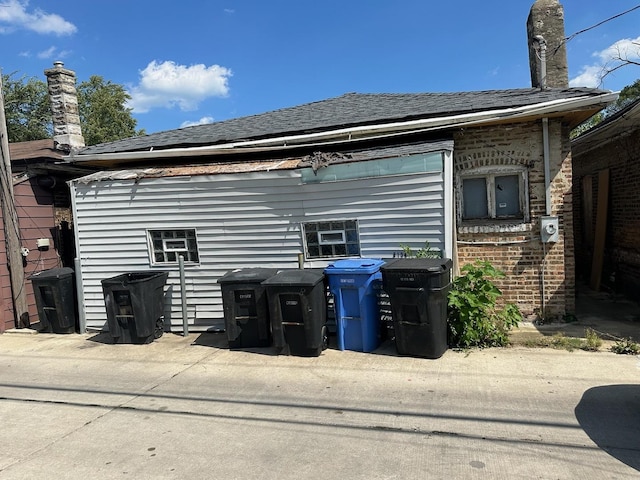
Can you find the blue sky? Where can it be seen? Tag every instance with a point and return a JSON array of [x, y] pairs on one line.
[[198, 61]]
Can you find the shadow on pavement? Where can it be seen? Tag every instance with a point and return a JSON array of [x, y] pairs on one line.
[[219, 340], [101, 337], [610, 415]]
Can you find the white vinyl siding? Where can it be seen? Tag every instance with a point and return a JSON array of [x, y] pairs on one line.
[[242, 220]]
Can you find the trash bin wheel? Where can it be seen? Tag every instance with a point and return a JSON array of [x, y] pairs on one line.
[[159, 328], [325, 337]]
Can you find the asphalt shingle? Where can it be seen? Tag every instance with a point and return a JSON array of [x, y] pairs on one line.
[[352, 109]]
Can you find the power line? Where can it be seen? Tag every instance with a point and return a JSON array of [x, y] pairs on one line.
[[571, 37]]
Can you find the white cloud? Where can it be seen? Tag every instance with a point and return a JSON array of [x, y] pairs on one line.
[[168, 84], [48, 53], [591, 75], [202, 121], [14, 15], [628, 48], [53, 52]]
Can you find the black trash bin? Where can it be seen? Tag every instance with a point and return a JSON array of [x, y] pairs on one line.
[[298, 311], [246, 310], [135, 306], [418, 289], [55, 294]]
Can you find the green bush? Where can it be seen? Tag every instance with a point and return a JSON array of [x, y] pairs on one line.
[[425, 252], [474, 318], [626, 346]]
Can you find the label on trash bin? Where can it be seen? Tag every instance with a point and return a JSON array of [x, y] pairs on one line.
[[348, 280], [407, 279], [243, 296]]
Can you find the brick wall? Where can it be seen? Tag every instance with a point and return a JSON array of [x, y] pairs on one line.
[[537, 274], [621, 269]]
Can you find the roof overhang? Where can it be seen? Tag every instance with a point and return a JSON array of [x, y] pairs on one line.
[[572, 110], [619, 125]]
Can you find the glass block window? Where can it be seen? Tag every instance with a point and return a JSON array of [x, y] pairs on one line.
[[167, 245], [331, 239]]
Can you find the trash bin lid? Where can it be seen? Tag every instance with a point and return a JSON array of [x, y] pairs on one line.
[[247, 275], [52, 273], [430, 265], [136, 277], [296, 277], [355, 265]]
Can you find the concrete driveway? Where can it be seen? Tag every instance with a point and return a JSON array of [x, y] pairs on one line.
[[75, 407]]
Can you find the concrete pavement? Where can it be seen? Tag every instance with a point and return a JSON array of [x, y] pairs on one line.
[[77, 407]]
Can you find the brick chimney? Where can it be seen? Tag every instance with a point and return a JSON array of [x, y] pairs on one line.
[[545, 32], [67, 134]]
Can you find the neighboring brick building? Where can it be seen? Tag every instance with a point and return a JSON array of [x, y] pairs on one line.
[[607, 223]]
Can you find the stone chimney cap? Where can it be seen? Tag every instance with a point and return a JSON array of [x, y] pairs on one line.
[[58, 64]]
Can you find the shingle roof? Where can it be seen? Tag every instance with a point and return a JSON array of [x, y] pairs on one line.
[[352, 109], [35, 150]]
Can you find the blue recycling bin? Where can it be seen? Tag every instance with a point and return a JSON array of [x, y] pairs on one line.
[[354, 284]]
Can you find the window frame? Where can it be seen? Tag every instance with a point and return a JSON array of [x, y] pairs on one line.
[[188, 253], [319, 232], [490, 174]]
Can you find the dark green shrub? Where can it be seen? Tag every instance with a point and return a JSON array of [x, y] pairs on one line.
[[474, 318]]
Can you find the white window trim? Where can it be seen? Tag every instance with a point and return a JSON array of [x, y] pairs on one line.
[[323, 241], [490, 173]]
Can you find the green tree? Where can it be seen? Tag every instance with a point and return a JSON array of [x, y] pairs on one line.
[[27, 108], [104, 116], [627, 95]]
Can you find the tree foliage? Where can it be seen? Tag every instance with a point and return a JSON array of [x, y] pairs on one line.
[[627, 95], [103, 113], [104, 116], [27, 108]]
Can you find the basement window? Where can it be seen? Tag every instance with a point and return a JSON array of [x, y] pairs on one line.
[[166, 246], [493, 195], [331, 239]]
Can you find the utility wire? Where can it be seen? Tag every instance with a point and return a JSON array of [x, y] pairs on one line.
[[571, 37], [574, 35]]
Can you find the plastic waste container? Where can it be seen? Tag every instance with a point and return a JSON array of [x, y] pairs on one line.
[[135, 306], [55, 294], [418, 289], [298, 311], [354, 284], [246, 310]]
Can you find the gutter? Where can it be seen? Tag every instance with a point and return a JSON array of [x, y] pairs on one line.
[[346, 135]]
